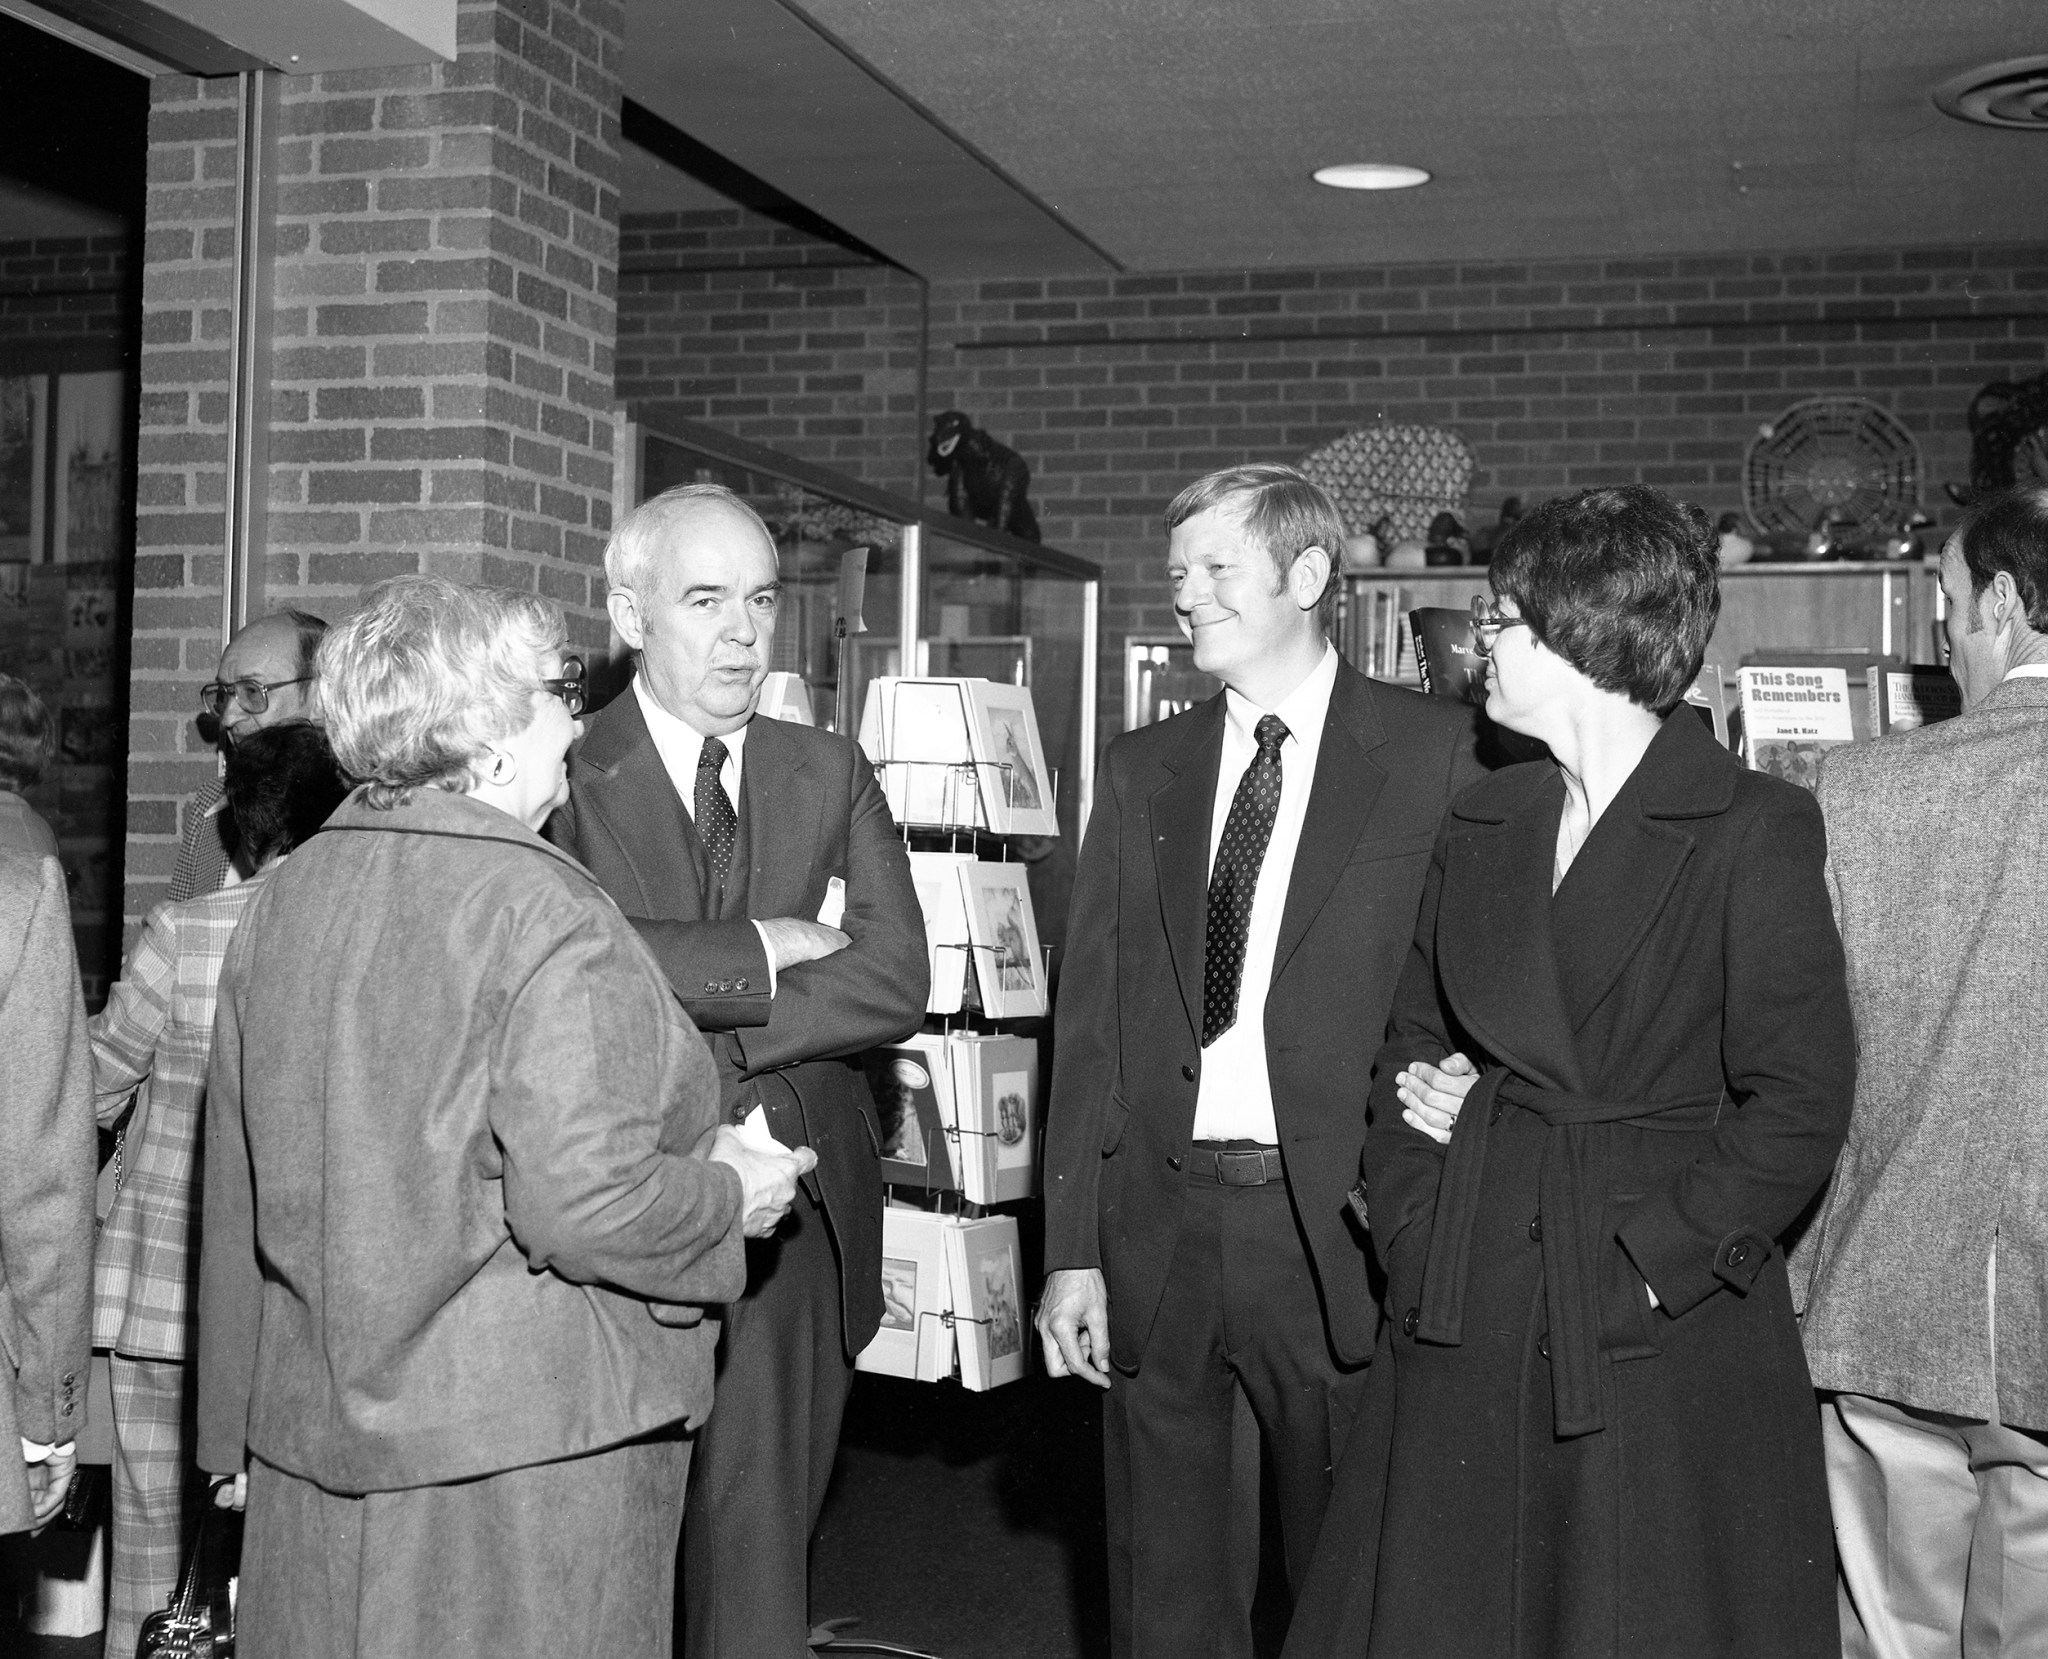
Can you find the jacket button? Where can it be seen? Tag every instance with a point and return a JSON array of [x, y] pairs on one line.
[[70, 1379], [1172, 1162], [65, 1409], [739, 984], [1409, 1320], [1494, 1115], [1543, 1345], [1188, 1072], [711, 985], [1536, 1231], [1737, 1254]]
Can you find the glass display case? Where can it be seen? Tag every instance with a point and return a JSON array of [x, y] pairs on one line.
[[942, 597]]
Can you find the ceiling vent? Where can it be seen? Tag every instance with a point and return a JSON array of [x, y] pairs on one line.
[[2012, 95]]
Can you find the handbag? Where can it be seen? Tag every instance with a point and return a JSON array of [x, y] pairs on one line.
[[199, 1623]]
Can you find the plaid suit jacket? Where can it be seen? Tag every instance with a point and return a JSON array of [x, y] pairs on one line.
[[151, 1044]]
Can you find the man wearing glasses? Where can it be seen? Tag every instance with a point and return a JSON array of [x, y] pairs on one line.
[[265, 679], [759, 862]]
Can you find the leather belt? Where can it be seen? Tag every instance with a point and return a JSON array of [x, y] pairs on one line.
[[1244, 1167], [1571, 1189]]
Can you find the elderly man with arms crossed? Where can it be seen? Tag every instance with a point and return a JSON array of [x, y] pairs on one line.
[[759, 862], [1927, 1314]]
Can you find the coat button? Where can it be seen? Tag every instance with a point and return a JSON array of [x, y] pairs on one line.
[[1536, 1231], [1737, 1254], [711, 985], [739, 984], [1172, 1162], [1494, 1115], [1543, 1345], [65, 1409], [1409, 1320], [1188, 1072]]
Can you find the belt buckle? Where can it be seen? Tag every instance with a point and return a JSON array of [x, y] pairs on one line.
[[1241, 1169]]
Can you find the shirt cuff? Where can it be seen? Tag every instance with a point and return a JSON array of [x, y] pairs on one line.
[[34, 1451], [769, 954]]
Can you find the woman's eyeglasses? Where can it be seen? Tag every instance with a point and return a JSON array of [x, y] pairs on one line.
[[570, 686], [1487, 622], [250, 696]]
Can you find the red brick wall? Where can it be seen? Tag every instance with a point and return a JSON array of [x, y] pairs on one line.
[[445, 293], [1118, 390], [62, 292], [775, 336]]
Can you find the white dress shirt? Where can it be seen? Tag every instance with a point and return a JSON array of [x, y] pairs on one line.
[[2027, 671], [1234, 1100], [680, 746]]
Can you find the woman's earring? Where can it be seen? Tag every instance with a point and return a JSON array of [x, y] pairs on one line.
[[503, 766]]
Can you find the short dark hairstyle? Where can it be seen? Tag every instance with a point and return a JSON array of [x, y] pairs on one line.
[[1283, 512], [282, 783], [312, 630], [2009, 532], [27, 736], [1622, 583]]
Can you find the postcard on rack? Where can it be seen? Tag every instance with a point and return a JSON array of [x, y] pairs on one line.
[[784, 696], [915, 1339], [929, 745], [1004, 936], [1791, 717], [988, 1301], [912, 1083], [943, 899], [995, 1102], [1015, 784]]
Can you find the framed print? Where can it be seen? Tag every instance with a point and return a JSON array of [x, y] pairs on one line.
[[988, 1301], [912, 1083], [86, 509], [1015, 785], [24, 431], [1004, 933]]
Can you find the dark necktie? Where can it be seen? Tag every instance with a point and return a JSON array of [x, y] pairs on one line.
[[717, 824], [1234, 881]]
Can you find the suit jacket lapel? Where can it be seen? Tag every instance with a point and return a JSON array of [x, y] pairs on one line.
[[626, 783], [1183, 808], [1340, 800], [781, 812], [1493, 927], [1634, 857]]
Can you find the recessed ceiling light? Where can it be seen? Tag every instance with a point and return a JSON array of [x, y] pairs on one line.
[[1370, 175], [2012, 94]]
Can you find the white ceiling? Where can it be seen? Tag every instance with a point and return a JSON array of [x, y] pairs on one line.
[[962, 137]]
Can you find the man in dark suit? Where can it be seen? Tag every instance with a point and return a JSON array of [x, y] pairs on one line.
[[759, 861], [1246, 897]]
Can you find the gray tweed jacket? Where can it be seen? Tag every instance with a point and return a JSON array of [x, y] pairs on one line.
[[46, 1174], [1938, 861]]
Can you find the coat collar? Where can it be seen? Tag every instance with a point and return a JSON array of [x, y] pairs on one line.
[[442, 812], [1497, 951]]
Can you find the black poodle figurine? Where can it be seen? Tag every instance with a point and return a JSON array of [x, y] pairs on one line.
[[985, 480]]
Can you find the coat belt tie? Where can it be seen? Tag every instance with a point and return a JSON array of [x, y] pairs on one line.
[[1571, 1187]]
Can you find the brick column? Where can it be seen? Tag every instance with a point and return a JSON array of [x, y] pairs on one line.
[[445, 316]]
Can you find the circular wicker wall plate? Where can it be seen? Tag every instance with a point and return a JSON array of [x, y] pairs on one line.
[[1405, 474], [1840, 460]]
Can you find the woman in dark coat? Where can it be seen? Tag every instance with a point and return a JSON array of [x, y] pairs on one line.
[[1590, 1430]]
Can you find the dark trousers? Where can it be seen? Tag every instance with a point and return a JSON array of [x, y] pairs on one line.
[[576, 1557], [1240, 1311], [764, 1456]]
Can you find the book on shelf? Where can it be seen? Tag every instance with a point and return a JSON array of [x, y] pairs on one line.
[[1447, 653], [1708, 699], [1902, 699], [1791, 716], [988, 1300]]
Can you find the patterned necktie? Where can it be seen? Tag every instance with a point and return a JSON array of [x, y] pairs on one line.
[[717, 824], [1235, 880]]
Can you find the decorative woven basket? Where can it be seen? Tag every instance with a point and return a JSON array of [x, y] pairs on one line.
[[1405, 474]]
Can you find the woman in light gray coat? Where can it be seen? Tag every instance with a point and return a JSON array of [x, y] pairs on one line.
[[467, 1196]]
